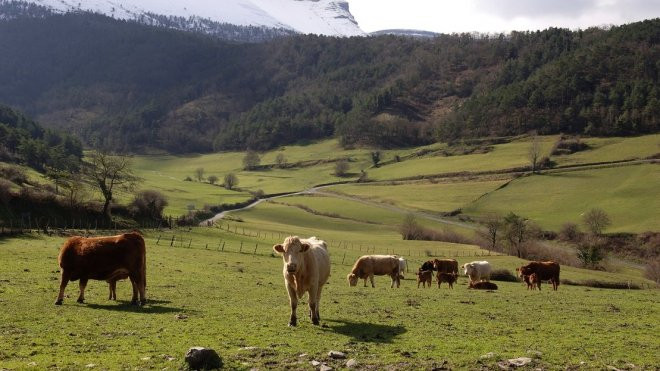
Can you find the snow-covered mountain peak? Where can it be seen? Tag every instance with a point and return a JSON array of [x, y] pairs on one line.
[[325, 17]]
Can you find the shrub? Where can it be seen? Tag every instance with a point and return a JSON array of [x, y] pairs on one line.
[[212, 179], [231, 181], [411, 230], [280, 160], [187, 179], [503, 275], [149, 203], [570, 232], [13, 174], [251, 160], [596, 220], [567, 145], [591, 252], [5, 191], [341, 168], [652, 271], [602, 284]]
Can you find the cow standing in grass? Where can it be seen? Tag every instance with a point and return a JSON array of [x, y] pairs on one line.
[[368, 266], [477, 270], [544, 270], [104, 258], [306, 269]]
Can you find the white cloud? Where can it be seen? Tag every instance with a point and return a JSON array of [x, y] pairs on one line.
[[498, 15]]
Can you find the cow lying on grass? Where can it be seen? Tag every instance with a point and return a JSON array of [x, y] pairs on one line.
[[424, 277], [306, 269], [450, 278], [368, 266], [482, 285], [104, 258]]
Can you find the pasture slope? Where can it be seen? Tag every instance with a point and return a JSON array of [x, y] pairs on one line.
[[236, 303]]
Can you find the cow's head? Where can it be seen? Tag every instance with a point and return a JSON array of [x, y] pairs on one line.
[[352, 279], [526, 271], [468, 268], [291, 251]]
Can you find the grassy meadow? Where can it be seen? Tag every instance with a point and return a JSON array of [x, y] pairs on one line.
[[222, 286], [236, 303]]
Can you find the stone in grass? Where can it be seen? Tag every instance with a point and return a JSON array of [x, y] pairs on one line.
[[315, 363], [336, 355], [200, 358], [325, 368], [514, 362], [351, 363]]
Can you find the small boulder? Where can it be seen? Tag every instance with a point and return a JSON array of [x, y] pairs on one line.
[[514, 362], [325, 368], [351, 363], [315, 363], [200, 358], [336, 355]]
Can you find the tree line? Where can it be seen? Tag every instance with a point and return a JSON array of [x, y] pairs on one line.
[[126, 87]]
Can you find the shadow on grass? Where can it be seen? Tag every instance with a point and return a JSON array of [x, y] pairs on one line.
[[365, 331], [126, 306]]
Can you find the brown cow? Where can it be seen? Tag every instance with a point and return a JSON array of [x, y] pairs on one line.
[[368, 266], [424, 277], [306, 269], [544, 270], [426, 266], [445, 265], [482, 285], [450, 278], [104, 258]]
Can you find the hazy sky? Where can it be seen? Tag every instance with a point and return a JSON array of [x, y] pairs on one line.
[[498, 15]]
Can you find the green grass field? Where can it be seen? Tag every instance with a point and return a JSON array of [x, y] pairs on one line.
[[613, 149], [236, 303], [630, 195], [423, 195]]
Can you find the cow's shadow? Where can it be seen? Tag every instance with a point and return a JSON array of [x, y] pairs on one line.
[[365, 331], [152, 306]]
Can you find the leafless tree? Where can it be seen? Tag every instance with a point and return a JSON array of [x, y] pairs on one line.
[[212, 179], [280, 160], [251, 160], [109, 172], [199, 174], [535, 152], [341, 168], [596, 220], [231, 181]]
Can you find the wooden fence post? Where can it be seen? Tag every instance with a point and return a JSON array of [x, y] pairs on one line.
[[342, 259], [255, 248], [172, 242], [223, 246], [189, 243], [241, 249], [158, 240]]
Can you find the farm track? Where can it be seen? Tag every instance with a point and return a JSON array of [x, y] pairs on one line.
[[512, 173]]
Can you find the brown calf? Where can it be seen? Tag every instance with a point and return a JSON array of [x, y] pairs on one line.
[[424, 277], [450, 278]]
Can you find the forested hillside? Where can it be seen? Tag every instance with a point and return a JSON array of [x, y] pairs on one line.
[[130, 87]]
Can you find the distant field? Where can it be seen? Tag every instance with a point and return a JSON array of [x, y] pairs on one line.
[[439, 197], [613, 149], [630, 195], [233, 302]]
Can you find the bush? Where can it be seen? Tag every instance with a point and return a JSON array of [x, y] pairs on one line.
[[570, 232], [503, 275], [652, 271], [149, 204], [411, 230], [591, 251], [251, 160], [341, 168], [596, 220], [13, 174], [602, 284], [231, 181], [212, 179], [567, 145], [187, 179], [5, 191]]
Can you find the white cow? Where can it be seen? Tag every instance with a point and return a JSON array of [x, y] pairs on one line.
[[403, 267], [306, 269], [477, 270]]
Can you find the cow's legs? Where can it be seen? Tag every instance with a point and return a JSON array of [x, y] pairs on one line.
[[112, 285], [371, 278], [293, 301], [365, 281], [63, 282], [83, 284], [313, 305], [318, 303], [135, 290]]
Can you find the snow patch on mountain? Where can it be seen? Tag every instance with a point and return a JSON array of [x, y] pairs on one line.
[[325, 17]]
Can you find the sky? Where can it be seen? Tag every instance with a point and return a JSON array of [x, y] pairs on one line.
[[494, 16]]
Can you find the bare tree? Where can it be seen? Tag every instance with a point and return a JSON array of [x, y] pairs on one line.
[[149, 203], [74, 190], [492, 232], [375, 158], [212, 179], [280, 160], [515, 233], [199, 174], [596, 220], [231, 181], [341, 168], [251, 160], [109, 172], [535, 152]]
